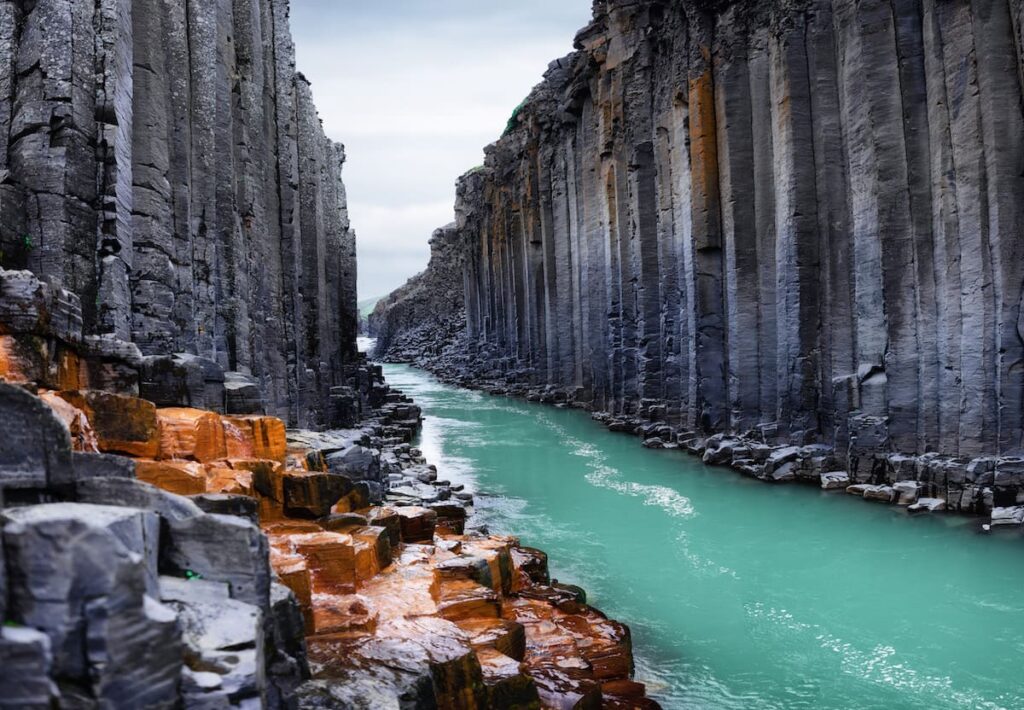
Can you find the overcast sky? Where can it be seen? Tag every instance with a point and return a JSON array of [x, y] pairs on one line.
[[415, 89]]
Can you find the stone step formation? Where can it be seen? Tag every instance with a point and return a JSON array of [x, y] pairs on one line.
[[163, 556], [786, 236]]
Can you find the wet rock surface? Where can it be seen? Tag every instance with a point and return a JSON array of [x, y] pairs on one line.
[[749, 228]]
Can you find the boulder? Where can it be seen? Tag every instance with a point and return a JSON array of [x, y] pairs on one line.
[[286, 654], [357, 462], [417, 523], [906, 492], [1008, 516], [191, 434], [180, 477], [224, 638], [30, 306], [35, 449], [123, 425], [927, 505], [220, 548], [183, 380], [254, 437], [242, 394], [225, 504], [94, 465], [137, 494], [834, 480], [79, 583], [25, 665], [309, 494]]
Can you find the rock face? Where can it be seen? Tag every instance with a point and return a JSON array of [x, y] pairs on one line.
[[795, 222], [429, 311], [165, 162]]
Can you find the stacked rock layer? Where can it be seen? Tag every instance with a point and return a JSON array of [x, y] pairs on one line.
[[795, 221], [165, 162]]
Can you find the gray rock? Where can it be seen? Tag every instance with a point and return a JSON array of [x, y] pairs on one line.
[[221, 548], [88, 466], [26, 662], [77, 581], [223, 638], [226, 504], [35, 450], [357, 462]]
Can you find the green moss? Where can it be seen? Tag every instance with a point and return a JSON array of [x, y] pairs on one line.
[[513, 121]]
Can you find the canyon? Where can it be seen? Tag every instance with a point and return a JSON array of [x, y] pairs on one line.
[[785, 236], [208, 497]]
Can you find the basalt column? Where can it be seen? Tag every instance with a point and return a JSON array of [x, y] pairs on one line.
[[164, 161], [796, 220]]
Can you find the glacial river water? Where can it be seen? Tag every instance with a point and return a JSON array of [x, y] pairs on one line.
[[741, 594]]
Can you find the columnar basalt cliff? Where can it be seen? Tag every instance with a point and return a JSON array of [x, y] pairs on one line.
[[165, 162], [789, 222], [427, 313]]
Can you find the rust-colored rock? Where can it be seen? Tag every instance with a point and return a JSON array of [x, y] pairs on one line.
[[417, 523], [310, 494], [83, 438], [191, 434], [331, 559], [256, 437], [182, 477], [123, 425], [229, 480]]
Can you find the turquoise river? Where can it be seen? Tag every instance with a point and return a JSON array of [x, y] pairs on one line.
[[741, 594]]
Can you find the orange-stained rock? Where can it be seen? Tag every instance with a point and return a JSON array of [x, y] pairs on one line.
[[83, 438], [23, 358], [388, 519], [507, 685], [331, 559], [459, 599], [182, 477], [123, 425], [311, 494], [229, 480], [417, 524], [255, 437], [375, 538], [293, 572], [626, 695], [191, 434], [351, 613], [506, 637], [47, 363]]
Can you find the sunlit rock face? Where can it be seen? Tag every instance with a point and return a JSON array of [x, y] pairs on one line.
[[797, 220], [165, 162]]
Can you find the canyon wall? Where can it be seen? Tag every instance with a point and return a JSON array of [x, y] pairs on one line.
[[801, 220], [427, 315], [164, 161]]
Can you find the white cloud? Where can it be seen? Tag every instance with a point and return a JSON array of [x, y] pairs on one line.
[[416, 89]]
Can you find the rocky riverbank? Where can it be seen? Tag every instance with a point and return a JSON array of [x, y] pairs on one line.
[[783, 235], [196, 553]]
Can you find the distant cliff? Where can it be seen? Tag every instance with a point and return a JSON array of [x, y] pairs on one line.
[[801, 219], [426, 316], [165, 162]]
